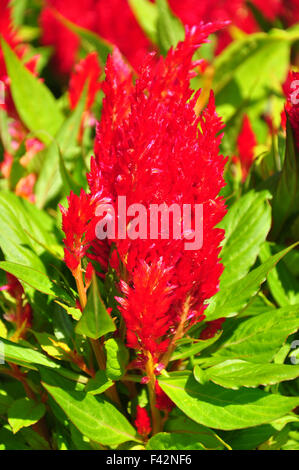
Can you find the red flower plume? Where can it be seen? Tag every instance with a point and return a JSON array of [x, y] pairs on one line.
[[153, 149]]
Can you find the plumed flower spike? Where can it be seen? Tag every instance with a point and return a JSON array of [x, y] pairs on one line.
[[78, 226], [152, 148], [146, 307]]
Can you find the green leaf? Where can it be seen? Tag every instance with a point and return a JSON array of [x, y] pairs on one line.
[[22, 224], [183, 351], [283, 285], [286, 195], [8, 441], [247, 68], [50, 181], [35, 104], [147, 15], [69, 184], [95, 321], [95, 418], [206, 436], [166, 441], [24, 413], [236, 373], [246, 226], [99, 384], [33, 439], [117, 358], [18, 11], [31, 359], [216, 407], [5, 401], [36, 279], [16, 353], [232, 299], [258, 338], [170, 28]]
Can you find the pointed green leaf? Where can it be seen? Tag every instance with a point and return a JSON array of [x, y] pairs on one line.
[[95, 418], [35, 103], [36, 279], [117, 358], [220, 408], [258, 338], [236, 373], [95, 321], [49, 182], [246, 226], [283, 285], [24, 413], [232, 299], [99, 383], [166, 441], [170, 27], [147, 15]]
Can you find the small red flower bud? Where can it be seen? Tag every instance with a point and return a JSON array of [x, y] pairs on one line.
[[142, 422]]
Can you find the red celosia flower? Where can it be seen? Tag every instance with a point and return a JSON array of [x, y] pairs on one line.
[[78, 227], [155, 150], [291, 90], [163, 402], [86, 71], [246, 143], [145, 307], [142, 422]]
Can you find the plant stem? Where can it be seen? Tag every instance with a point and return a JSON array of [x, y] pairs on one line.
[[178, 335], [156, 418], [96, 346]]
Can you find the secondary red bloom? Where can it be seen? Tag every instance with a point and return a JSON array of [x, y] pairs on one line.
[[142, 422], [55, 34], [155, 150], [111, 19], [87, 70], [78, 227], [246, 144], [291, 90]]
